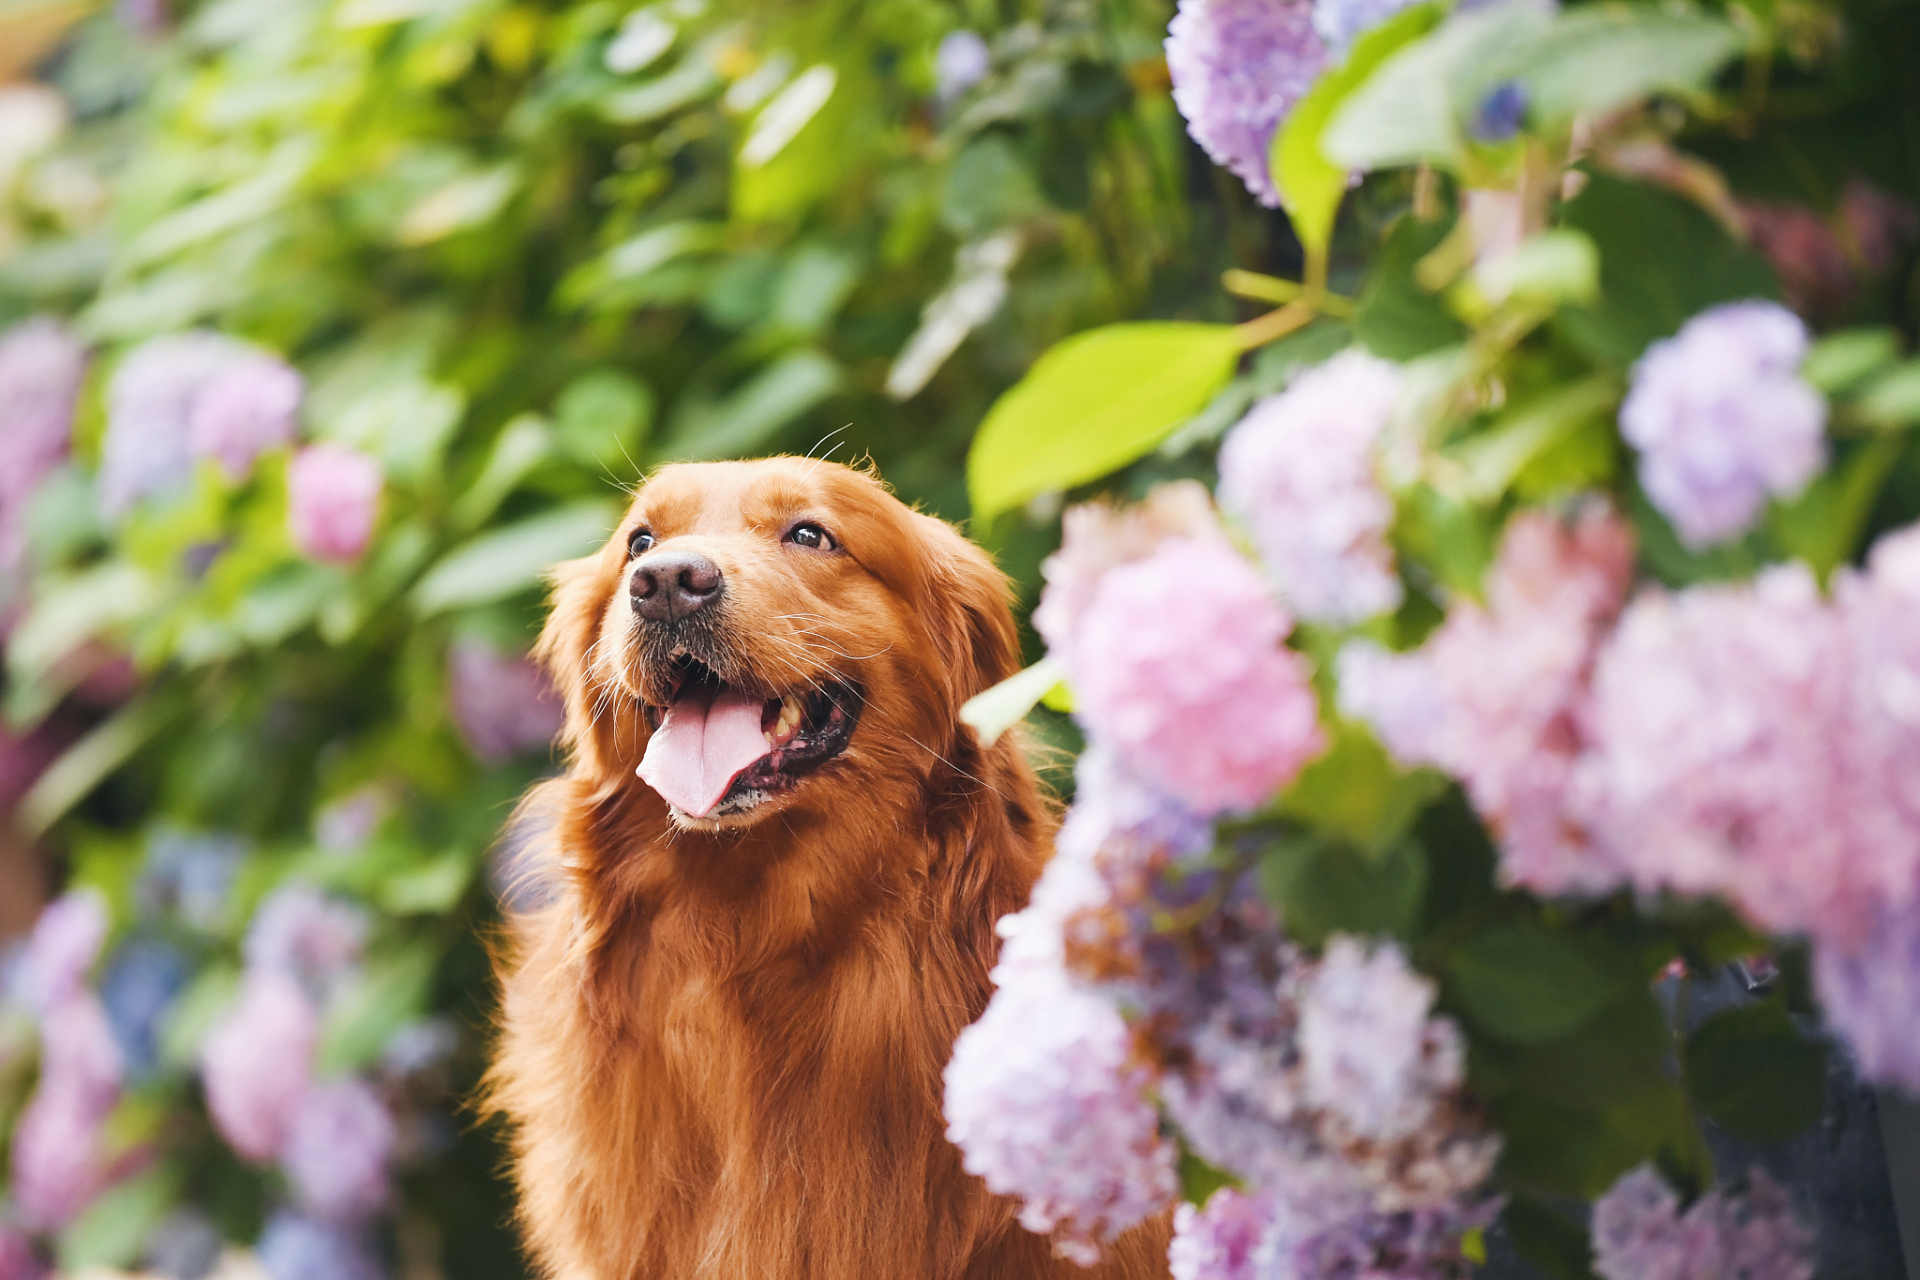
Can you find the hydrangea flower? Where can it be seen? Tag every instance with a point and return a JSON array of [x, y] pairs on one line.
[[1371, 1056], [257, 1063], [961, 62], [1306, 1232], [1096, 537], [137, 991], [1220, 1241], [18, 1261], [1298, 471], [503, 705], [1223, 733], [1493, 696], [1046, 1104], [41, 367], [189, 876], [1639, 1232], [337, 1151], [247, 407], [1869, 988], [146, 450], [65, 942], [1238, 67], [59, 1159], [299, 1248], [308, 935], [333, 499], [1723, 420]]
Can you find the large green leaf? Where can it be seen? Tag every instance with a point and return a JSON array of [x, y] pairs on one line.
[[1324, 888], [1396, 318], [1754, 1075], [1526, 985], [1311, 186], [1092, 404], [1597, 58], [513, 559]]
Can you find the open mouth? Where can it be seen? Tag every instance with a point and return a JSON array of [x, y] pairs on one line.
[[717, 750]]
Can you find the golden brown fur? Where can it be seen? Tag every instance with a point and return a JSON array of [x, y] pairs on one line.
[[723, 1041]]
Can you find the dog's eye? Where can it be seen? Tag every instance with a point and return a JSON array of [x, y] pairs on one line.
[[810, 535], [640, 540]]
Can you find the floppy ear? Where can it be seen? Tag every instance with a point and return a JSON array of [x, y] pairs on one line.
[[967, 608], [579, 596]]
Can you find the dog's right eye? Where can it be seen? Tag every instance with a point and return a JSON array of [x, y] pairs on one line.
[[640, 540]]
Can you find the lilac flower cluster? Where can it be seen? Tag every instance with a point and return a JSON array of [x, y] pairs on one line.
[[1238, 67], [41, 367], [187, 396], [1299, 472], [1640, 1231], [1311, 1234], [333, 1139], [1723, 420], [62, 1157], [503, 705]]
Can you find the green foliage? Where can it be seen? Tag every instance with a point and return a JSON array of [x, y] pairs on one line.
[[1754, 1075]]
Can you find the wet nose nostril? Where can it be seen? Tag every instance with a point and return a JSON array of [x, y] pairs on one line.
[[670, 585]]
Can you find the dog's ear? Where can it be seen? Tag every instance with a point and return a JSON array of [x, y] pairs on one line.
[[579, 596], [968, 608]]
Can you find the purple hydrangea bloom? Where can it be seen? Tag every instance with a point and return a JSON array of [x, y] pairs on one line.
[[302, 932], [1238, 67], [338, 1149], [1046, 1104], [65, 942], [1299, 472], [246, 408], [299, 1248], [59, 1152], [503, 705], [258, 1063], [1219, 735], [1639, 1233], [1341, 22], [961, 62], [1220, 1241], [333, 501], [1722, 419], [1869, 987], [1307, 1232], [137, 990], [41, 367], [146, 450], [18, 1261]]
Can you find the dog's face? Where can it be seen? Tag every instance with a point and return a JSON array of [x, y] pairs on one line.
[[764, 636]]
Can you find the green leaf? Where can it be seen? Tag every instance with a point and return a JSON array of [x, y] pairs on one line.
[[1492, 459], [1324, 888], [195, 1013], [994, 711], [1199, 1180], [1662, 261], [1355, 792], [1754, 1075], [1893, 399], [1556, 1246], [1526, 985], [513, 559], [1556, 266], [522, 444], [67, 612], [390, 992], [1395, 318], [603, 418], [1311, 186], [83, 766], [1596, 59], [1092, 404], [432, 889], [1824, 524], [1841, 361], [744, 421], [112, 1231]]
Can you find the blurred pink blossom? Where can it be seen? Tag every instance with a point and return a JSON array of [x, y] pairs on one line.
[[503, 705], [338, 1149], [333, 500], [257, 1064], [246, 407]]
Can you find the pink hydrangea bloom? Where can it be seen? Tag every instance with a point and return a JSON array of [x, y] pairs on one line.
[[60, 1162], [65, 942], [18, 1261], [503, 705], [41, 367], [1238, 67], [333, 499], [1492, 696], [246, 408], [1046, 1104], [338, 1149], [1299, 473], [1715, 763], [1640, 1233], [257, 1065], [1723, 420], [1181, 666], [1222, 1240], [1371, 1055], [1868, 982], [145, 452], [304, 933]]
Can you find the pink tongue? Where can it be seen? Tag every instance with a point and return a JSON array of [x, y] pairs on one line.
[[701, 747]]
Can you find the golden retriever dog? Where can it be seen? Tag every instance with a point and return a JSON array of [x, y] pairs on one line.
[[780, 858]]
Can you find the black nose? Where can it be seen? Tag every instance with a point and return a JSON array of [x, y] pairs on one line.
[[673, 584]]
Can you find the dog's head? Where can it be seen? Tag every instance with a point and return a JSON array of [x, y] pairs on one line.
[[764, 636]]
